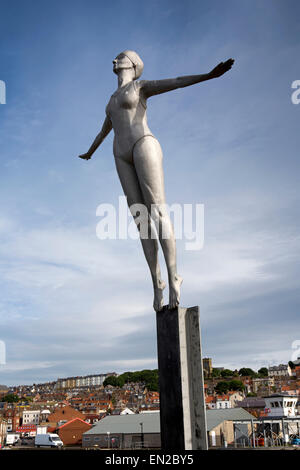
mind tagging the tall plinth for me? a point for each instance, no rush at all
(182, 401)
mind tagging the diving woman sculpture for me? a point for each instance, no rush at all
(138, 159)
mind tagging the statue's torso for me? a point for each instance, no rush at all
(127, 112)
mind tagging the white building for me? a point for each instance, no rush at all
(95, 380)
(283, 370)
(91, 380)
(223, 403)
(31, 416)
(45, 414)
(263, 382)
(280, 405)
(235, 398)
(219, 403)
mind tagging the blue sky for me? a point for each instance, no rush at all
(71, 304)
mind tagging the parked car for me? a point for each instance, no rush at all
(12, 439)
(25, 442)
(48, 440)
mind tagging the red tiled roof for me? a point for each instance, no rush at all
(209, 399)
(71, 421)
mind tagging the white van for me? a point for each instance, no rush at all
(12, 439)
(48, 440)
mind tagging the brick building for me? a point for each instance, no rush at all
(71, 432)
(63, 414)
(12, 417)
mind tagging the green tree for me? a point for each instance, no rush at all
(11, 398)
(127, 376)
(226, 373)
(236, 385)
(148, 377)
(222, 387)
(114, 381)
(263, 371)
(216, 372)
(153, 386)
(292, 365)
(246, 371)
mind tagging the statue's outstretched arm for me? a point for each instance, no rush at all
(106, 128)
(155, 87)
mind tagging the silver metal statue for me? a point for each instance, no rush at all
(138, 158)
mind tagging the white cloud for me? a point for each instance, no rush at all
(230, 143)
(26, 365)
(87, 294)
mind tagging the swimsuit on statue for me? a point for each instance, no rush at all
(127, 112)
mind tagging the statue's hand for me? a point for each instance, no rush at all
(221, 68)
(85, 156)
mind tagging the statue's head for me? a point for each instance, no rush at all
(127, 60)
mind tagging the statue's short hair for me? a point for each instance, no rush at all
(138, 64)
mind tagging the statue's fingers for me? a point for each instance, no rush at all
(228, 65)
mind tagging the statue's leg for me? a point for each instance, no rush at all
(147, 157)
(132, 191)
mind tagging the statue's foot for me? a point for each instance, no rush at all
(174, 291)
(158, 302)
